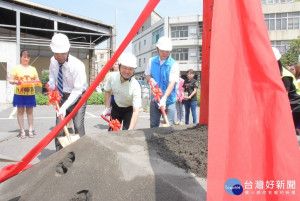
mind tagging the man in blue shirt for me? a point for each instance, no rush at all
(163, 71)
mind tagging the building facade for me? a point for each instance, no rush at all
(185, 33)
(282, 18)
(30, 26)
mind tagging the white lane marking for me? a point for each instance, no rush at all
(90, 114)
(12, 113)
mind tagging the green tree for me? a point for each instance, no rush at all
(292, 54)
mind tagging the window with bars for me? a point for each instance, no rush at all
(200, 54)
(283, 21)
(157, 34)
(200, 32)
(180, 54)
(179, 32)
(281, 45)
(154, 54)
(3, 71)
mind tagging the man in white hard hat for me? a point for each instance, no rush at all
(291, 87)
(67, 73)
(127, 93)
(163, 71)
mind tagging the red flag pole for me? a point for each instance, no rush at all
(42, 144)
(206, 36)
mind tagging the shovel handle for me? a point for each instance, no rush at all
(61, 118)
(104, 117)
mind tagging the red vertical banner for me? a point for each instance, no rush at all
(206, 36)
(253, 153)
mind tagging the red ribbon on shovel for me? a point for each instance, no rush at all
(157, 93)
(113, 123)
(54, 97)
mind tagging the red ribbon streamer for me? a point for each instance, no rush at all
(43, 143)
(6, 169)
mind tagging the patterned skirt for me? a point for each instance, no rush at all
(24, 101)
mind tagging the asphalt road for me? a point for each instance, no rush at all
(13, 146)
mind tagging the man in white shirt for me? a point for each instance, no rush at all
(67, 73)
(127, 93)
(163, 71)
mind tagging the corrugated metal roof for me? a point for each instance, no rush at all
(57, 11)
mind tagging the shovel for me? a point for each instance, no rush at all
(157, 97)
(69, 138)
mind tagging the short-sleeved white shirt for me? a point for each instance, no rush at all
(125, 94)
(174, 73)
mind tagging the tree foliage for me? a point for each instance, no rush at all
(292, 53)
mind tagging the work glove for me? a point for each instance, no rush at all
(162, 103)
(51, 86)
(154, 83)
(62, 111)
(106, 111)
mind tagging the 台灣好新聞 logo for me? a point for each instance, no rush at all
(233, 186)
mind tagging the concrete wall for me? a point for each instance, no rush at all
(281, 7)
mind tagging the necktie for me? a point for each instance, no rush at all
(60, 81)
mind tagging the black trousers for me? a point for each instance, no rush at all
(296, 118)
(78, 119)
(123, 114)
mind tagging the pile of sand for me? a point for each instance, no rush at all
(132, 165)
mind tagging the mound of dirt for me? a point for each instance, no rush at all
(131, 165)
(186, 149)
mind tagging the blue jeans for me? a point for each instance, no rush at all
(155, 114)
(190, 105)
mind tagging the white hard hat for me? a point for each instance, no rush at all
(128, 59)
(276, 53)
(164, 43)
(60, 43)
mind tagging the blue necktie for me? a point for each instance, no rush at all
(60, 81)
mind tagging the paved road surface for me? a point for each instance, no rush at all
(44, 121)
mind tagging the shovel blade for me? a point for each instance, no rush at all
(65, 142)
